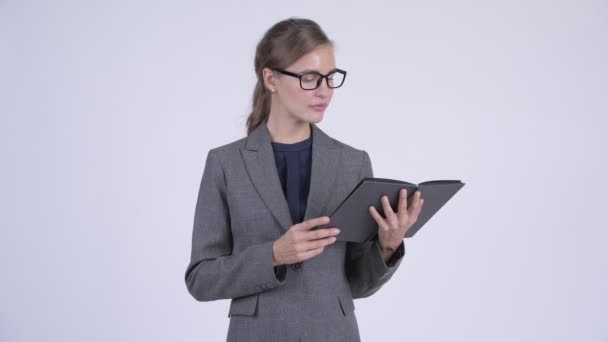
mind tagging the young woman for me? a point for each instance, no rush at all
(260, 195)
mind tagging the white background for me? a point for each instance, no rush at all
(108, 109)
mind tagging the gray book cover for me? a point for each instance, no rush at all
(355, 222)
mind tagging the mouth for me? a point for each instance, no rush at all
(319, 107)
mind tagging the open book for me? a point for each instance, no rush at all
(356, 223)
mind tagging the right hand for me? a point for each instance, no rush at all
(300, 243)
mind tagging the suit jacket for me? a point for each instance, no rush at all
(241, 210)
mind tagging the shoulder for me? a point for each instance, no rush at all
(228, 150)
(354, 158)
(349, 151)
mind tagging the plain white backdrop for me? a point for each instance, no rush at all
(108, 109)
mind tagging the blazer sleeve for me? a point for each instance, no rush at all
(215, 272)
(365, 268)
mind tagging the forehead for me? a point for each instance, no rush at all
(320, 59)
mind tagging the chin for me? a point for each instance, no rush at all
(311, 117)
(316, 117)
(316, 120)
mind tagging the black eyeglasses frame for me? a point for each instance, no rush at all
(321, 76)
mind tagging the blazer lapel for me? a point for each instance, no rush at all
(260, 163)
(323, 172)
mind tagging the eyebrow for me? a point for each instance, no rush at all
(310, 70)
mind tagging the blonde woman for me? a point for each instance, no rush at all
(260, 195)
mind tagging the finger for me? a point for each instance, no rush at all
(376, 215)
(415, 203)
(402, 211)
(321, 233)
(308, 224)
(311, 253)
(319, 243)
(388, 211)
(419, 208)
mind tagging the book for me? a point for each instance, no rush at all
(356, 223)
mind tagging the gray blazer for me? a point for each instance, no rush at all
(241, 209)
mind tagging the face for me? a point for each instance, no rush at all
(289, 99)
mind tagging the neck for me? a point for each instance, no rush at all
(287, 130)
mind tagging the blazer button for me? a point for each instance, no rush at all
(297, 266)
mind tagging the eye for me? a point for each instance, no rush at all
(310, 77)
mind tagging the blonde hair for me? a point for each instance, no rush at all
(284, 43)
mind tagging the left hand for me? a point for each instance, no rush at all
(391, 230)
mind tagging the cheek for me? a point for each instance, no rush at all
(300, 99)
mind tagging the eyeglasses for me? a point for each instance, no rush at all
(311, 80)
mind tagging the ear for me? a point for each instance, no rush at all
(270, 79)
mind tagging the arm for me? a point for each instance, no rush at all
(365, 266)
(214, 271)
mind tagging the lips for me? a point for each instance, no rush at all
(319, 106)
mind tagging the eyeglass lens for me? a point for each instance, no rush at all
(311, 81)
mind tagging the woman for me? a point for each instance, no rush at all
(260, 196)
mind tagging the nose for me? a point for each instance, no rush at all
(323, 89)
